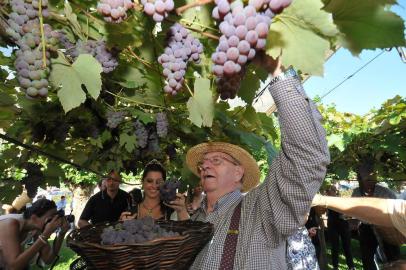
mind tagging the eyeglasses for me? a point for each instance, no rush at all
(216, 161)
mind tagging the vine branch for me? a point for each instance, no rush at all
(41, 25)
(182, 9)
(131, 100)
(203, 33)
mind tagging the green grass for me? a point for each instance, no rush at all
(66, 257)
(356, 253)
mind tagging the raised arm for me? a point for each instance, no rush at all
(384, 212)
(298, 171)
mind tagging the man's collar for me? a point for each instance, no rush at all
(224, 201)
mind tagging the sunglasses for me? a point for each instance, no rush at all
(216, 161)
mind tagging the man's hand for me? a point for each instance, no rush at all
(273, 66)
(127, 216)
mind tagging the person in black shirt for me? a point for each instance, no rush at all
(106, 205)
(338, 228)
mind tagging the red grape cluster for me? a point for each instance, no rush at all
(161, 124)
(244, 32)
(276, 6)
(24, 29)
(182, 48)
(99, 50)
(141, 133)
(33, 179)
(114, 11)
(158, 9)
(134, 231)
(114, 118)
(168, 190)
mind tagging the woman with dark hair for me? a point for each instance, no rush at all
(37, 222)
(151, 205)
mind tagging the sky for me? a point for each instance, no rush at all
(382, 79)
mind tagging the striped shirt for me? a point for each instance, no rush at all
(276, 208)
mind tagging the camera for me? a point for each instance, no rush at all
(69, 218)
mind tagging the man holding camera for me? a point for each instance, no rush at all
(106, 205)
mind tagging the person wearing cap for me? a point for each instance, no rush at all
(250, 231)
(106, 205)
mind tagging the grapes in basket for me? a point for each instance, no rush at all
(168, 190)
(134, 231)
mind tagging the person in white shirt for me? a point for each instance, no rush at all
(61, 205)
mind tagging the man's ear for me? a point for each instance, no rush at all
(239, 171)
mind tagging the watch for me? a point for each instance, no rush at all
(289, 73)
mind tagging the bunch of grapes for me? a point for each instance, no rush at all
(158, 9)
(134, 231)
(17, 18)
(65, 42)
(168, 190)
(33, 179)
(114, 11)
(161, 124)
(244, 32)
(22, 12)
(24, 29)
(141, 133)
(153, 144)
(58, 132)
(114, 118)
(182, 48)
(276, 6)
(98, 49)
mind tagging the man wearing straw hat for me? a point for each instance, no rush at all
(250, 231)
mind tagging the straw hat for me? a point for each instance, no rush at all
(251, 169)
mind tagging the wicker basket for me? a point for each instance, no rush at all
(162, 253)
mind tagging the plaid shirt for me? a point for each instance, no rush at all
(276, 208)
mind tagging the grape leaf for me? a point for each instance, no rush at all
(129, 142)
(85, 70)
(337, 141)
(302, 31)
(201, 105)
(358, 19)
(143, 116)
(251, 83)
(73, 20)
(6, 99)
(9, 190)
